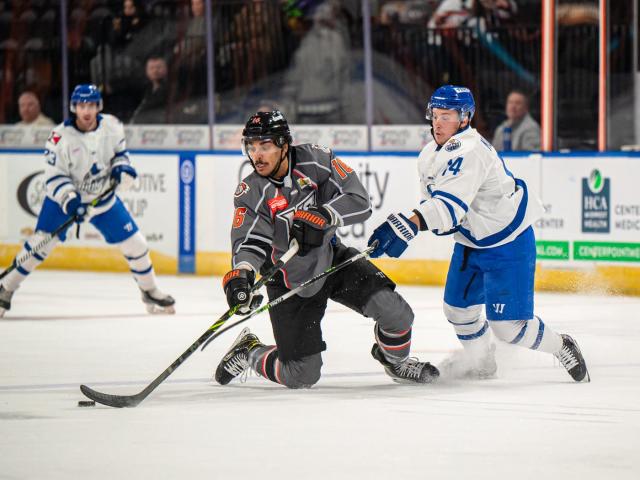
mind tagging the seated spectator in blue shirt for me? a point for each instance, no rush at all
(519, 131)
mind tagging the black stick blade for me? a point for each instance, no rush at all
(116, 401)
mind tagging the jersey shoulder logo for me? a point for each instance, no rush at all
(241, 189)
(321, 148)
(54, 138)
(452, 145)
(304, 182)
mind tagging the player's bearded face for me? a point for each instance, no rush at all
(266, 157)
(445, 124)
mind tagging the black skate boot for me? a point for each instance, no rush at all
(236, 360)
(158, 302)
(5, 300)
(571, 358)
(409, 371)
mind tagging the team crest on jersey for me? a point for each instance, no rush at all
(452, 145)
(54, 138)
(277, 204)
(305, 182)
(241, 189)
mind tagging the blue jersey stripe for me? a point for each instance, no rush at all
(506, 231)
(57, 177)
(452, 212)
(60, 186)
(453, 198)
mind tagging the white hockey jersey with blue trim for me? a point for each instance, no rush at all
(82, 161)
(468, 190)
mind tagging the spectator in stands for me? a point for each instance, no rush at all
(30, 113)
(127, 25)
(190, 62)
(153, 107)
(319, 78)
(194, 41)
(519, 131)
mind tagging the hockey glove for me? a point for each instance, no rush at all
(124, 176)
(237, 286)
(309, 228)
(393, 236)
(74, 207)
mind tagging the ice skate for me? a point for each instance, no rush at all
(158, 302)
(460, 364)
(571, 358)
(236, 360)
(5, 300)
(409, 371)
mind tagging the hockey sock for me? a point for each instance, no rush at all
(394, 319)
(136, 253)
(470, 328)
(395, 345)
(14, 278)
(532, 334)
(264, 360)
(300, 373)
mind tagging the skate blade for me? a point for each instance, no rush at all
(157, 310)
(586, 379)
(401, 381)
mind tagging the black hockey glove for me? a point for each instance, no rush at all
(310, 227)
(237, 286)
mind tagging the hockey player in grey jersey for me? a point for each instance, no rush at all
(305, 192)
(83, 156)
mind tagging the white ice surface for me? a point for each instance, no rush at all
(533, 421)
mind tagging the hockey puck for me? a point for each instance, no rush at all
(86, 403)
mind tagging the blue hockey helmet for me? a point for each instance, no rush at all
(85, 93)
(452, 97)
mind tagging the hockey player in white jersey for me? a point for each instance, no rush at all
(84, 156)
(468, 191)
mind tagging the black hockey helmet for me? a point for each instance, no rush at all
(267, 125)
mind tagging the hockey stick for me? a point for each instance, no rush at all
(42, 243)
(119, 401)
(290, 293)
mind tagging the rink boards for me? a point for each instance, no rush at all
(588, 238)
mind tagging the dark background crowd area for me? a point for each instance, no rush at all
(307, 58)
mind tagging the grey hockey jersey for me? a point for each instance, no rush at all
(264, 212)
